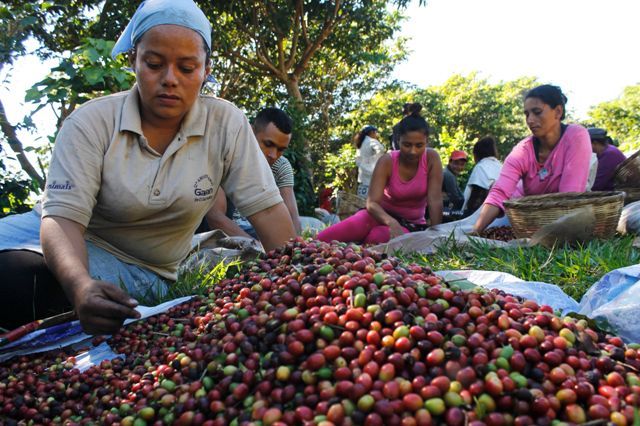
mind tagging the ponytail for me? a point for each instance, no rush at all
(359, 137)
(412, 122)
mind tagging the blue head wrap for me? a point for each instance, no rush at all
(160, 12)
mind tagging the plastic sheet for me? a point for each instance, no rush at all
(614, 303)
(71, 333)
(211, 248)
(428, 241)
(542, 293)
(629, 222)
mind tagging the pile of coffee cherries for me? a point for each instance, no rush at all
(501, 233)
(334, 334)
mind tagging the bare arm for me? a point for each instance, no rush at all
(273, 225)
(434, 190)
(217, 217)
(487, 215)
(289, 198)
(101, 307)
(379, 179)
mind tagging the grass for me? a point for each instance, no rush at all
(193, 283)
(574, 269)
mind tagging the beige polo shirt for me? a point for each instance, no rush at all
(143, 206)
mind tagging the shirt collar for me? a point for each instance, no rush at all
(192, 125)
(130, 118)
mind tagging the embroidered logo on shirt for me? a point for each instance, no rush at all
(55, 186)
(203, 188)
(544, 173)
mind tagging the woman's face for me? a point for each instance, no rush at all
(541, 118)
(170, 65)
(412, 145)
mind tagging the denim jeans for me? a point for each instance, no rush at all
(22, 232)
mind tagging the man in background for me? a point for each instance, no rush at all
(272, 128)
(454, 198)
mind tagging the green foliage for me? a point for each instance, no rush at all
(573, 269)
(88, 73)
(383, 110)
(15, 192)
(297, 154)
(621, 118)
(459, 112)
(470, 108)
(327, 56)
(58, 26)
(340, 171)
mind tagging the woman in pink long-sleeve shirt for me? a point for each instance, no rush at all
(555, 158)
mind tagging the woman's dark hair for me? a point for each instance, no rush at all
(410, 108)
(550, 95)
(485, 147)
(366, 131)
(413, 122)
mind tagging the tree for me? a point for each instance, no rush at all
(321, 54)
(460, 111)
(57, 27)
(621, 118)
(470, 108)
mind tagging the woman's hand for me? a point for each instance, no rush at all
(102, 307)
(395, 229)
(487, 215)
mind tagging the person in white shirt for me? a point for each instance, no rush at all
(369, 151)
(483, 175)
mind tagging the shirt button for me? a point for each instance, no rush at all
(156, 192)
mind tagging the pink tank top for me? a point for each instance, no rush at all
(406, 199)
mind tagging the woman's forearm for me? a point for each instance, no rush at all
(435, 211)
(273, 226)
(65, 252)
(487, 215)
(380, 214)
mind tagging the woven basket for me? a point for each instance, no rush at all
(528, 214)
(628, 172)
(347, 204)
(631, 194)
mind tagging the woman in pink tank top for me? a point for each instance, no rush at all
(404, 184)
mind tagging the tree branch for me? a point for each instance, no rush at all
(303, 23)
(15, 144)
(296, 34)
(281, 61)
(328, 26)
(263, 64)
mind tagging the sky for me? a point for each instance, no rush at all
(587, 47)
(590, 48)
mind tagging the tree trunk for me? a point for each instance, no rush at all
(15, 144)
(293, 90)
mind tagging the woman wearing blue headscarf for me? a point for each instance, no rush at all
(133, 174)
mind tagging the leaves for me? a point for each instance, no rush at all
(88, 73)
(621, 118)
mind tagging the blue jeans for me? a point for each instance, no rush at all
(22, 232)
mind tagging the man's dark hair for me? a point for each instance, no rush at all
(278, 117)
(485, 147)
